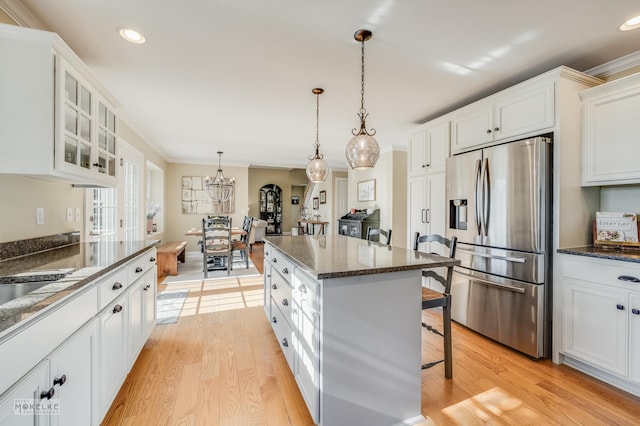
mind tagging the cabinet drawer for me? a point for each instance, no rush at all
(32, 344)
(283, 333)
(141, 264)
(281, 294)
(112, 286)
(281, 264)
(611, 272)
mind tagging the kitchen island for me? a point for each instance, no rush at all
(347, 315)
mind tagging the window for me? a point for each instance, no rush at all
(130, 181)
(102, 218)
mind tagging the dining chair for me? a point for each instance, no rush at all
(216, 244)
(242, 244)
(371, 232)
(436, 299)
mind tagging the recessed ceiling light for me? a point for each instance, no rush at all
(631, 24)
(131, 35)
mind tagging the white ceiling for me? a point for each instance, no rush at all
(236, 75)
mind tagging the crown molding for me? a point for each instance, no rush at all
(20, 14)
(616, 66)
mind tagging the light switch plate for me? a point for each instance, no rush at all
(39, 216)
(78, 215)
(69, 214)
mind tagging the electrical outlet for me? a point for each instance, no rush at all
(39, 216)
(69, 214)
(78, 215)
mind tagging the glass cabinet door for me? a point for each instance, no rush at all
(106, 139)
(78, 121)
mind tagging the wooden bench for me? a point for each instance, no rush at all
(168, 256)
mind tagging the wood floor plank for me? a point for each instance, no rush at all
(225, 367)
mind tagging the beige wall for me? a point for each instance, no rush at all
(4, 18)
(258, 177)
(326, 212)
(390, 174)
(177, 223)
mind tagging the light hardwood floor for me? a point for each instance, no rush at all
(221, 365)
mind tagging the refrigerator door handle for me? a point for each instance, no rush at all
(476, 196)
(486, 192)
(492, 256)
(491, 283)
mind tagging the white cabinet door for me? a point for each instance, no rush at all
(595, 324)
(417, 153)
(135, 316)
(308, 351)
(634, 337)
(523, 111)
(428, 149)
(16, 406)
(73, 377)
(113, 327)
(417, 207)
(473, 128)
(149, 312)
(610, 133)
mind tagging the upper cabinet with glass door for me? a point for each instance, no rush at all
(60, 126)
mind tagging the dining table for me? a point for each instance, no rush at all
(197, 232)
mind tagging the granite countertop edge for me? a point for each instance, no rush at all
(603, 253)
(21, 312)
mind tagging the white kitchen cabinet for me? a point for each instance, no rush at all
(428, 148)
(73, 375)
(601, 319)
(18, 403)
(427, 206)
(113, 344)
(610, 129)
(521, 110)
(141, 314)
(53, 112)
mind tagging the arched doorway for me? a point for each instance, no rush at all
(271, 208)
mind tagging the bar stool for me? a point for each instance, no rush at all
(436, 299)
(378, 231)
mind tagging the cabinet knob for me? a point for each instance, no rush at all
(424, 165)
(60, 380)
(274, 286)
(274, 319)
(117, 309)
(629, 278)
(620, 307)
(146, 288)
(96, 164)
(285, 342)
(138, 270)
(47, 394)
(116, 286)
(285, 271)
(285, 302)
(152, 259)
(488, 131)
(266, 253)
(275, 260)
(496, 129)
(635, 311)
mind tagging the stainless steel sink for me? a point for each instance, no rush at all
(14, 290)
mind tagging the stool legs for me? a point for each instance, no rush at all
(446, 325)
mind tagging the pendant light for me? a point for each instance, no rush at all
(317, 169)
(362, 150)
(219, 188)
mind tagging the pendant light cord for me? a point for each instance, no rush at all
(317, 119)
(362, 110)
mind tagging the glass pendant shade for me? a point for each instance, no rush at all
(317, 169)
(219, 188)
(362, 151)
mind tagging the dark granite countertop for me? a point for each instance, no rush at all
(335, 256)
(79, 264)
(604, 253)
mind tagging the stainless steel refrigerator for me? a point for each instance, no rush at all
(499, 207)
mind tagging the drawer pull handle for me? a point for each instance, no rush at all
(635, 311)
(116, 286)
(285, 271)
(117, 309)
(152, 259)
(274, 319)
(284, 342)
(273, 286)
(620, 307)
(47, 394)
(285, 302)
(629, 278)
(60, 381)
(138, 269)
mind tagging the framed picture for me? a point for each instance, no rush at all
(316, 205)
(323, 197)
(367, 190)
(295, 199)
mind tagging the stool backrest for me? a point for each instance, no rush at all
(448, 243)
(378, 231)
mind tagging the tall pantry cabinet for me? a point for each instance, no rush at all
(428, 149)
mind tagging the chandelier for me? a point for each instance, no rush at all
(219, 188)
(363, 150)
(317, 169)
